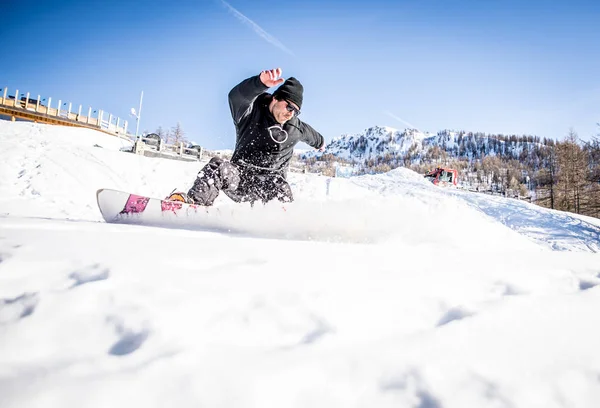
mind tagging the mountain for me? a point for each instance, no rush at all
(374, 142)
(415, 146)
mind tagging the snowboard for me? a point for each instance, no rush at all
(296, 221)
(124, 207)
(121, 207)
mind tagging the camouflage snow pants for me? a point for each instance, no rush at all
(239, 182)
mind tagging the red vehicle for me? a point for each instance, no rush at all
(443, 177)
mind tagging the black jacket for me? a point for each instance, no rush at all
(255, 144)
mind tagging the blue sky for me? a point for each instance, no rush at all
(512, 67)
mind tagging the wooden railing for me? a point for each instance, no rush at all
(40, 110)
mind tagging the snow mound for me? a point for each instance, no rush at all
(380, 291)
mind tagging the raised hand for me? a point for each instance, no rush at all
(271, 77)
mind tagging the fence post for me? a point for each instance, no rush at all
(138, 147)
(160, 145)
(26, 100)
(69, 112)
(58, 108)
(17, 99)
(200, 153)
(181, 148)
(49, 102)
(100, 114)
(4, 95)
(125, 128)
(78, 113)
(89, 115)
(37, 105)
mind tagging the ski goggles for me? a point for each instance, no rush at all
(290, 108)
(278, 134)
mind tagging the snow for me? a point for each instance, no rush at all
(459, 300)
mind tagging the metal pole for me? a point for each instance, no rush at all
(139, 115)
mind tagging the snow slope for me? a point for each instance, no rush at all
(424, 297)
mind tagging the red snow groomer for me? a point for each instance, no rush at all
(443, 177)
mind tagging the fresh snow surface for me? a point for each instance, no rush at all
(424, 297)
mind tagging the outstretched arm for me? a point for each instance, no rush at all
(311, 137)
(243, 94)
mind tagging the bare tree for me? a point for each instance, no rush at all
(178, 135)
(162, 134)
(571, 183)
(593, 154)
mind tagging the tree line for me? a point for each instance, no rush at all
(570, 179)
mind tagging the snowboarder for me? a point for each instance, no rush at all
(267, 129)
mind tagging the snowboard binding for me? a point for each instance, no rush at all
(179, 197)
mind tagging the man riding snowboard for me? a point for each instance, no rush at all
(267, 129)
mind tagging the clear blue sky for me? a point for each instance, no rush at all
(522, 67)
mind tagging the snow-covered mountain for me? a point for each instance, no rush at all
(382, 141)
(427, 297)
(375, 141)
